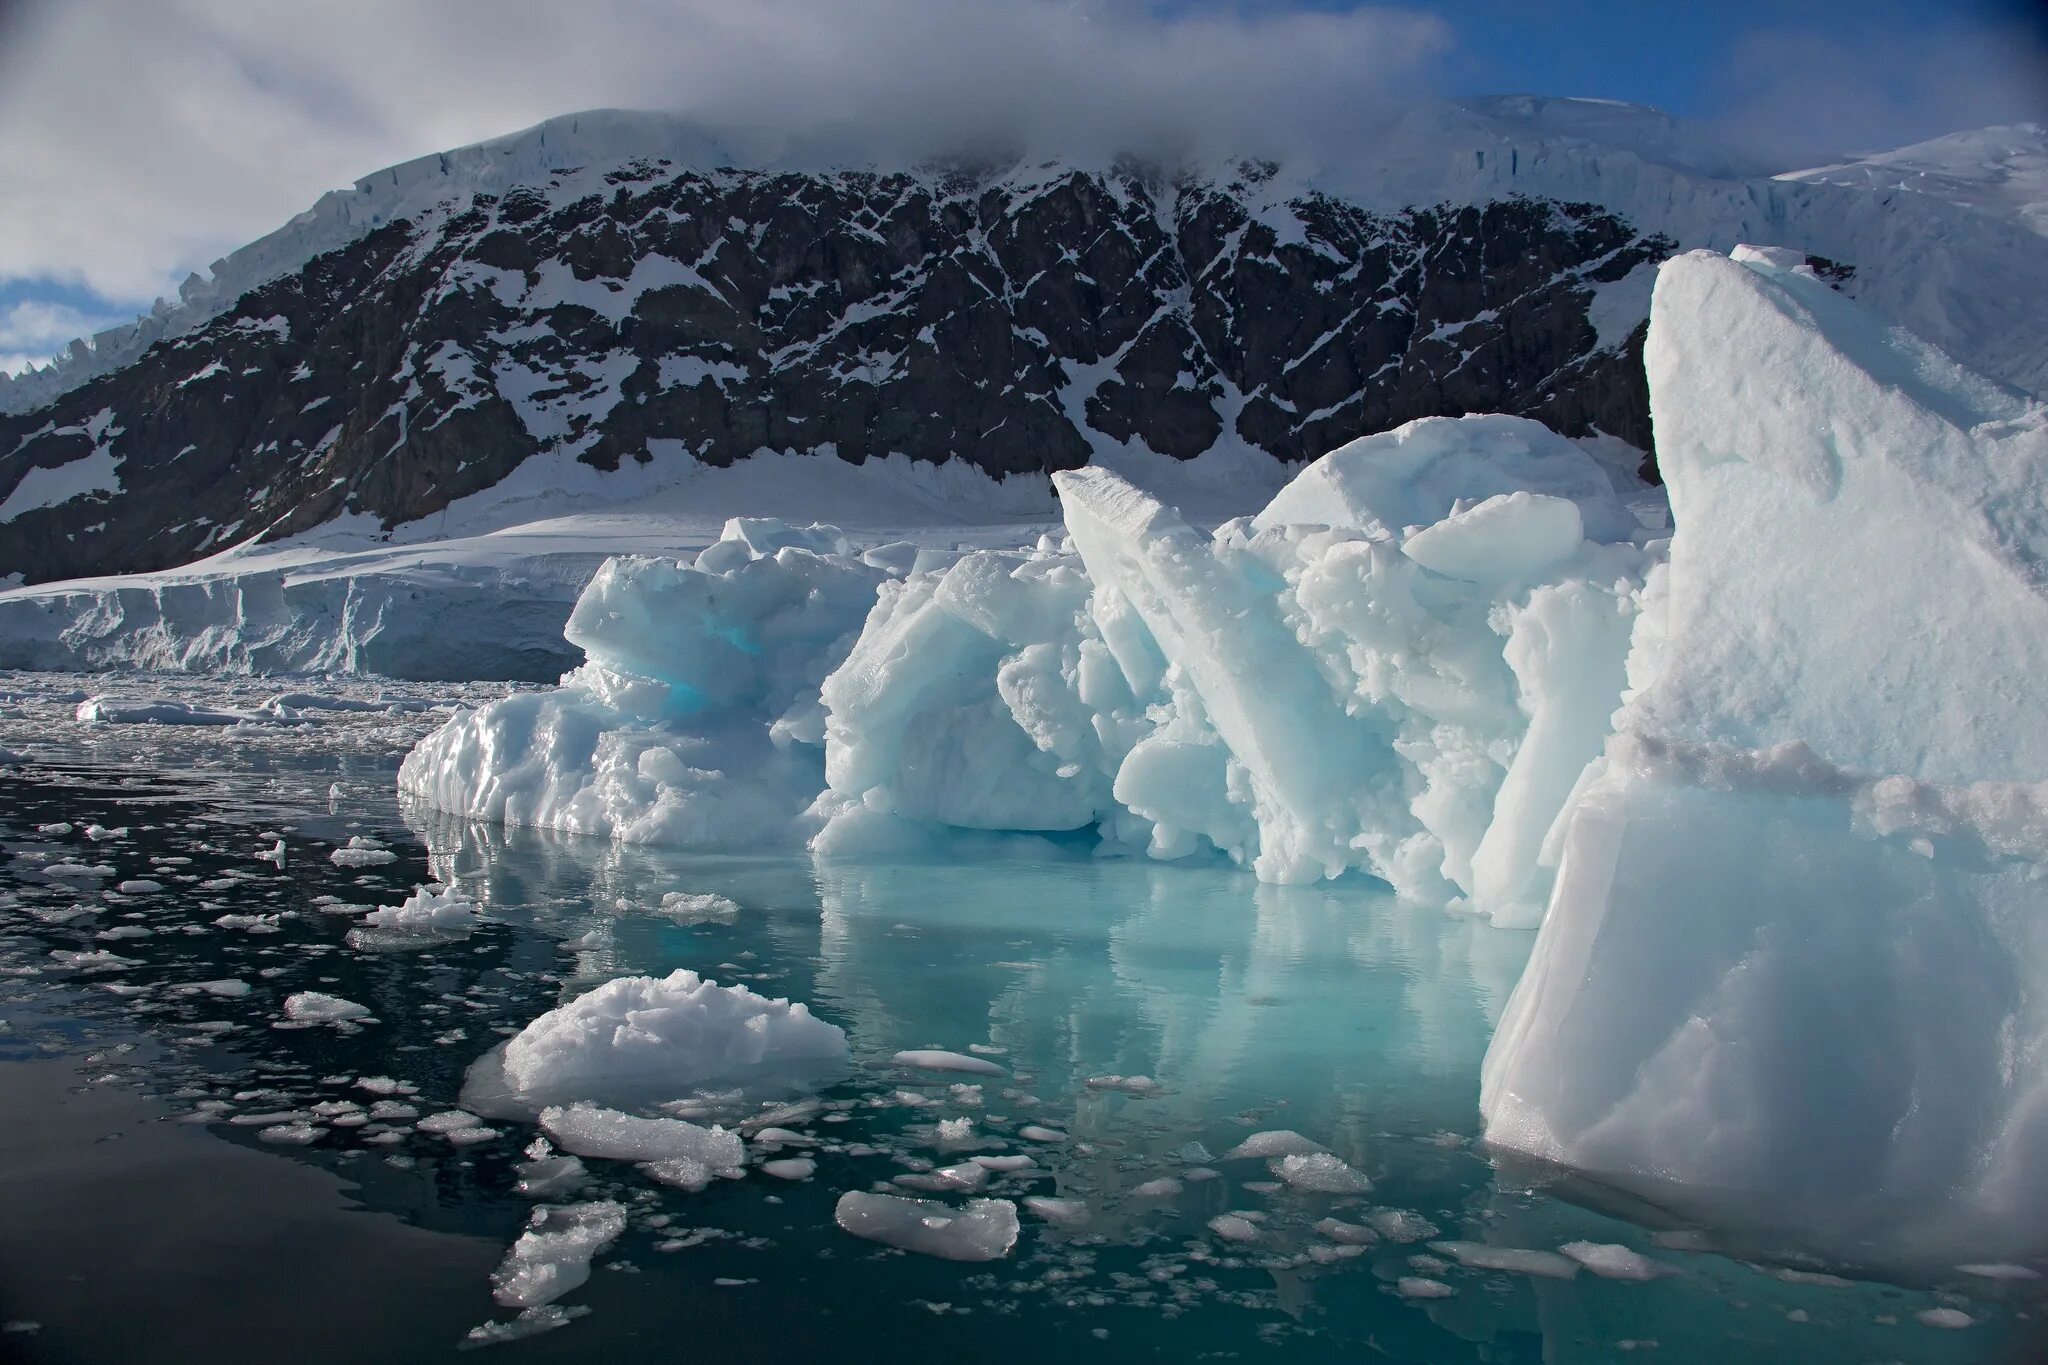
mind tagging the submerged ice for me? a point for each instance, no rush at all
(1763, 762)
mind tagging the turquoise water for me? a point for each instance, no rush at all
(146, 1223)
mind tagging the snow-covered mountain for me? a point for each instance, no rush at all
(618, 299)
(2001, 170)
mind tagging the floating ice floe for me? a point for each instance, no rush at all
(984, 1230)
(361, 852)
(316, 1007)
(428, 910)
(1795, 969)
(553, 1255)
(642, 1039)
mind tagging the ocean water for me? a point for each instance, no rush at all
(147, 1214)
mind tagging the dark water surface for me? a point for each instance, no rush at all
(146, 1213)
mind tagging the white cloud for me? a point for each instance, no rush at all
(140, 140)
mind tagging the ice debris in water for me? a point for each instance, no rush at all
(1481, 1256)
(1319, 1173)
(317, 1007)
(1612, 1261)
(553, 1255)
(701, 1153)
(1064, 1212)
(362, 852)
(691, 908)
(984, 1230)
(1232, 1227)
(1828, 787)
(1274, 1143)
(429, 909)
(936, 1059)
(643, 1037)
(1421, 1287)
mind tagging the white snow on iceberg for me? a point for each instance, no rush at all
(1794, 964)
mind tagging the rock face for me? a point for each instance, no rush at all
(1020, 319)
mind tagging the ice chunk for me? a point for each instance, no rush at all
(1481, 1256)
(1612, 1261)
(1232, 1227)
(361, 852)
(427, 910)
(1822, 794)
(1319, 1173)
(591, 1131)
(984, 1231)
(790, 1168)
(933, 1059)
(317, 1007)
(553, 1255)
(686, 908)
(1275, 1142)
(1421, 1287)
(1065, 1212)
(139, 886)
(646, 1038)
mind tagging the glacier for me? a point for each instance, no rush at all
(1756, 759)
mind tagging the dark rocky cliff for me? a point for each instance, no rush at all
(1015, 323)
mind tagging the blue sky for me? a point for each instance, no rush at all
(140, 141)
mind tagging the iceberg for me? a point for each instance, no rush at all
(1400, 668)
(1793, 967)
(683, 726)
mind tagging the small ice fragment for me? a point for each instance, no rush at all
(1350, 1234)
(1612, 1261)
(1399, 1225)
(228, 988)
(427, 910)
(553, 1255)
(1417, 1287)
(685, 908)
(1004, 1163)
(1274, 1143)
(2000, 1270)
(956, 1130)
(1232, 1227)
(316, 1007)
(1517, 1260)
(1319, 1173)
(1032, 1132)
(448, 1121)
(984, 1231)
(295, 1134)
(790, 1168)
(591, 1131)
(546, 1175)
(139, 886)
(362, 852)
(1951, 1318)
(1131, 1085)
(1162, 1187)
(56, 829)
(934, 1059)
(964, 1178)
(1065, 1212)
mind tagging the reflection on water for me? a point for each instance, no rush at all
(1329, 1010)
